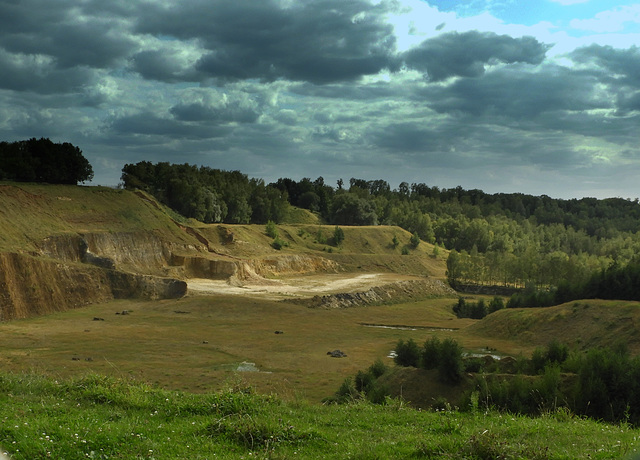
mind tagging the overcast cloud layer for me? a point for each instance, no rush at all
(481, 94)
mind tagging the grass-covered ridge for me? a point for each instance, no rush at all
(101, 417)
(33, 212)
(581, 325)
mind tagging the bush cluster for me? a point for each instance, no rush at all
(603, 383)
(446, 356)
(338, 236)
(365, 385)
(477, 310)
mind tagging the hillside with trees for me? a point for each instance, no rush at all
(499, 240)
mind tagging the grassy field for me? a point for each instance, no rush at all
(105, 418)
(197, 343)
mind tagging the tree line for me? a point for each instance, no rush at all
(41, 160)
(207, 194)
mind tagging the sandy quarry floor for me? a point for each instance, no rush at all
(303, 286)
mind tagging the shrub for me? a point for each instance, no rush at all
(271, 229)
(557, 352)
(320, 238)
(279, 243)
(474, 365)
(378, 394)
(415, 240)
(464, 309)
(347, 391)
(395, 242)
(450, 367)
(338, 236)
(431, 353)
(363, 381)
(378, 368)
(446, 356)
(496, 304)
(407, 353)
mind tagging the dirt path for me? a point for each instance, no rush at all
(303, 286)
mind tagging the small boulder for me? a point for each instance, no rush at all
(337, 354)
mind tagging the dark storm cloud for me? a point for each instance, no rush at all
(67, 35)
(618, 70)
(233, 112)
(411, 137)
(619, 64)
(53, 47)
(151, 124)
(267, 86)
(38, 74)
(466, 54)
(163, 65)
(320, 41)
(517, 94)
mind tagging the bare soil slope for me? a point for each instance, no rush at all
(64, 246)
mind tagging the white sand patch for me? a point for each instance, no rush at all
(302, 286)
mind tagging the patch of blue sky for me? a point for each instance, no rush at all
(575, 17)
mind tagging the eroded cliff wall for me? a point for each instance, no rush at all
(32, 286)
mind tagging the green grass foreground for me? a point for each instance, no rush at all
(101, 417)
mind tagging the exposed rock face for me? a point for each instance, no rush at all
(108, 244)
(139, 252)
(72, 270)
(31, 286)
(401, 290)
(293, 265)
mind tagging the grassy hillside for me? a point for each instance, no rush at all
(97, 417)
(581, 325)
(32, 212)
(363, 249)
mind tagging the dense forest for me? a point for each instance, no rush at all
(556, 249)
(41, 160)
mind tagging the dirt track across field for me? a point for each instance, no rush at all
(302, 287)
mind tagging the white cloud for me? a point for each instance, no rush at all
(416, 21)
(569, 2)
(609, 21)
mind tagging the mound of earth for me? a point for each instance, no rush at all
(581, 325)
(400, 291)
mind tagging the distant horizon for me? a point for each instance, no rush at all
(333, 184)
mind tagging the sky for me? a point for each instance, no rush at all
(538, 96)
